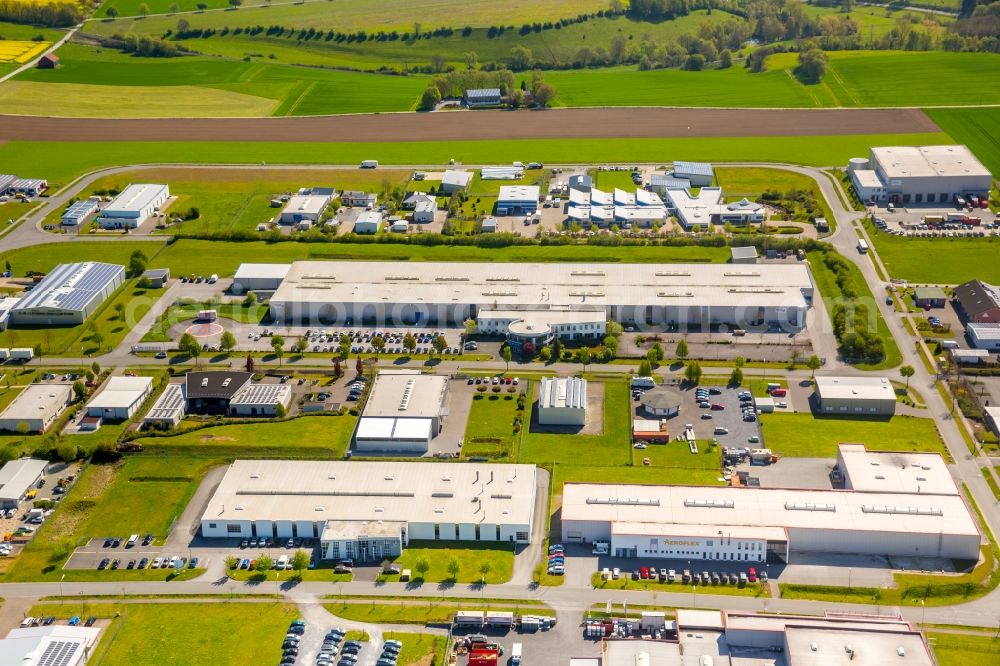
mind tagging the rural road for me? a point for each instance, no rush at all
(34, 61)
(597, 123)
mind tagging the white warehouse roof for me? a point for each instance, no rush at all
(562, 392)
(895, 471)
(262, 271)
(406, 395)
(516, 193)
(122, 392)
(928, 161)
(18, 475)
(856, 388)
(430, 492)
(133, 200)
(306, 205)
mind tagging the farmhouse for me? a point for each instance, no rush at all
(37, 406)
(517, 199)
(69, 294)
(575, 297)
(411, 201)
(919, 174)
(121, 398)
(78, 211)
(340, 503)
(404, 412)
(168, 410)
(978, 302)
(455, 180)
(929, 297)
(562, 401)
(753, 524)
(304, 208)
(258, 277)
(17, 477)
(984, 336)
(852, 396)
(357, 199)
(479, 97)
(699, 174)
(135, 205)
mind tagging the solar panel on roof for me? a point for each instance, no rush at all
(71, 286)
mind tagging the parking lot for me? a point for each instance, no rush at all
(47, 488)
(730, 417)
(143, 555)
(555, 645)
(936, 221)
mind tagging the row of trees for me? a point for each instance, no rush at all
(54, 14)
(855, 324)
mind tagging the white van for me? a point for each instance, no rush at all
(719, 430)
(132, 541)
(369, 164)
(282, 563)
(515, 654)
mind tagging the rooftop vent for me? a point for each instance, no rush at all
(204, 382)
(226, 381)
(708, 504)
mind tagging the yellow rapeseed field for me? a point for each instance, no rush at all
(20, 52)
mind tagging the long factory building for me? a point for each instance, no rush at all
(543, 295)
(369, 511)
(893, 503)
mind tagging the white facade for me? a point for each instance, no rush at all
(404, 412)
(304, 208)
(517, 199)
(79, 211)
(17, 477)
(562, 401)
(984, 336)
(259, 277)
(856, 396)
(751, 524)
(369, 222)
(756, 298)
(919, 174)
(423, 211)
(455, 180)
(438, 502)
(53, 645)
(120, 398)
(136, 204)
(37, 405)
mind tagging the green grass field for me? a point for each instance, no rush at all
(737, 182)
(962, 649)
(91, 81)
(979, 129)
(489, 431)
(62, 161)
(373, 14)
(470, 557)
(303, 437)
(20, 31)
(139, 495)
(418, 649)
(188, 311)
(955, 260)
(804, 435)
(146, 632)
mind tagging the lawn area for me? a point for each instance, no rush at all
(804, 435)
(43, 258)
(421, 611)
(241, 633)
(302, 437)
(963, 649)
(832, 296)
(739, 182)
(61, 161)
(490, 428)
(16, 31)
(188, 311)
(979, 129)
(470, 556)
(611, 448)
(417, 648)
(956, 260)
(137, 495)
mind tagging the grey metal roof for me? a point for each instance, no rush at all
(81, 208)
(169, 405)
(695, 168)
(5, 181)
(748, 252)
(71, 286)
(482, 93)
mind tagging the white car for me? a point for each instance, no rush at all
(782, 405)
(639, 445)
(616, 573)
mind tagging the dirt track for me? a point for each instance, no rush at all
(463, 126)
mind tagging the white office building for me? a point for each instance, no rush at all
(135, 205)
(258, 277)
(707, 207)
(120, 398)
(304, 208)
(756, 524)
(404, 412)
(69, 294)
(36, 407)
(594, 207)
(562, 401)
(341, 503)
(545, 295)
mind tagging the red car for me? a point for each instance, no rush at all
(717, 407)
(644, 573)
(752, 575)
(779, 393)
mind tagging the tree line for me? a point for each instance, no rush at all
(52, 14)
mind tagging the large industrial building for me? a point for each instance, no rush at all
(770, 296)
(893, 471)
(135, 205)
(17, 477)
(68, 295)
(36, 407)
(919, 174)
(562, 401)
(594, 207)
(978, 302)
(370, 511)
(753, 524)
(121, 398)
(984, 336)
(404, 412)
(853, 396)
(258, 277)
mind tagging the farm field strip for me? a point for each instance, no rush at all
(18, 52)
